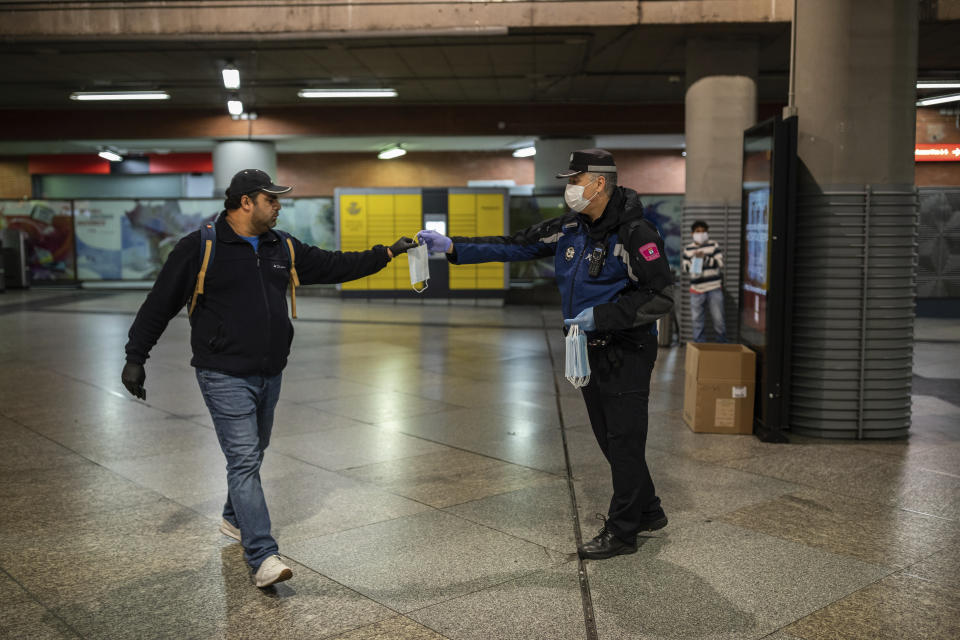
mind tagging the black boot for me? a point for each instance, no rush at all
(654, 522)
(605, 545)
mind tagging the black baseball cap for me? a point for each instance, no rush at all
(251, 180)
(589, 161)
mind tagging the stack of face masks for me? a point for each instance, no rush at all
(419, 267)
(696, 266)
(578, 365)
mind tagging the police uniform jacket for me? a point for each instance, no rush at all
(632, 289)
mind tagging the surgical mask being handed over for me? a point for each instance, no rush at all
(700, 237)
(573, 196)
(419, 266)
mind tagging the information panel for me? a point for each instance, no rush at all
(766, 256)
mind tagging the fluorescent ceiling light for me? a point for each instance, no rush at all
(347, 93)
(525, 152)
(231, 77)
(926, 102)
(938, 84)
(110, 155)
(120, 95)
(235, 107)
(394, 152)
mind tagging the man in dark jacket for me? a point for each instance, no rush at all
(614, 283)
(241, 335)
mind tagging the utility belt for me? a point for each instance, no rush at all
(632, 337)
(601, 340)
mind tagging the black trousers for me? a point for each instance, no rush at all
(617, 398)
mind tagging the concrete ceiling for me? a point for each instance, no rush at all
(634, 65)
(637, 64)
(312, 144)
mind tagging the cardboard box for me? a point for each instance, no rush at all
(719, 388)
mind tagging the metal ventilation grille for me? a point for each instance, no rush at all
(724, 221)
(938, 275)
(854, 281)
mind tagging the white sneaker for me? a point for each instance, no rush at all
(229, 530)
(272, 570)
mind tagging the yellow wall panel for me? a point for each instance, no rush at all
(462, 204)
(353, 222)
(462, 214)
(408, 204)
(408, 219)
(490, 214)
(353, 231)
(379, 218)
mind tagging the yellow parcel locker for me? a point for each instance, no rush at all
(490, 222)
(462, 214)
(353, 230)
(380, 230)
(408, 219)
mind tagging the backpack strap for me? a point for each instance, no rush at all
(208, 244)
(294, 278)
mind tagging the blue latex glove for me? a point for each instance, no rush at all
(436, 243)
(584, 319)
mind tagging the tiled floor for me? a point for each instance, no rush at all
(418, 485)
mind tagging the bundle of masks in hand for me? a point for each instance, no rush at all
(419, 261)
(578, 365)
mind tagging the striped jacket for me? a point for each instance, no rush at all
(709, 279)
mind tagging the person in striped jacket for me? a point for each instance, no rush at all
(703, 260)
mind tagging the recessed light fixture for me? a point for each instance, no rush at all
(231, 77)
(235, 107)
(392, 152)
(347, 93)
(938, 84)
(926, 102)
(119, 95)
(112, 156)
(525, 152)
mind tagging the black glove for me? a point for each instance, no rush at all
(133, 377)
(402, 245)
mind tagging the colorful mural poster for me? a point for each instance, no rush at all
(309, 220)
(666, 211)
(131, 239)
(49, 228)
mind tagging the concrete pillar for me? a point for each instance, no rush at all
(231, 156)
(856, 236)
(721, 101)
(553, 154)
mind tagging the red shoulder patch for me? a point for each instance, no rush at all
(650, 251)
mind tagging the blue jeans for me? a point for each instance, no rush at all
(242, 412)
(713, 300)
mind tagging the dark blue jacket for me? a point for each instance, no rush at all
(633, 288)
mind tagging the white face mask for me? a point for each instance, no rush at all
(573, 196)
(700, 237)
(419, 267)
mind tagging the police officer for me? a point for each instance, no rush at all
(241, 337)
(614, 283)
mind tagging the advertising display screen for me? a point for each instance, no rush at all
(766, 255)
(757, 180)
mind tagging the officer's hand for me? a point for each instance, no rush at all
(584, 319)
(436, 242)
(402, 245)
(133, 377)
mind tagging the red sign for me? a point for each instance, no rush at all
(937, 153)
